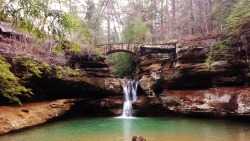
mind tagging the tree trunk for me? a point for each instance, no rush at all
(173, 9)
(192, 17)
(162, 21)
(167, 19)
(210, 15)
(205, 15)
(173, 18)
(193, 11)
(108, 20)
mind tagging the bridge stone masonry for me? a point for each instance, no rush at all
(119, 47)
(134, 48)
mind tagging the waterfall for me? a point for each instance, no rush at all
(129, 90)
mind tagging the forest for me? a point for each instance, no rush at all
(131, 21)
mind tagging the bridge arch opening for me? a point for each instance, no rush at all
(122, 63)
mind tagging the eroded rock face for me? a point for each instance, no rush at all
(151, 61)
(14, 118)
(177, 79)
(174, 66)
(110, 85)
(110, 106)
(148, 106)
(223, 102)
(218, 102)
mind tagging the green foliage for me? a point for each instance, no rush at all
(33, 68)
(64, 71)
(123, 63)
(92, 32)
(209, 60)
(63, 46)
(128, 33)
(219, 50)
(221, 10)
(239, 20)
(36, 16)
(135, 31)
(73, 24)
(75, 47)
(3, 17)
(10, 88)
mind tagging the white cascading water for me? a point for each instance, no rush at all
(130, 94)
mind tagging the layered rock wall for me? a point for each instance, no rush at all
(177, 78)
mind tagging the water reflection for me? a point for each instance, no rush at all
(127, 123)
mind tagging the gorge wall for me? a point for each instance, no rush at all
(177, 79)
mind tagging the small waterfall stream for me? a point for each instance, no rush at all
(130, 95)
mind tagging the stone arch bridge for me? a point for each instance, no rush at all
(120, 47)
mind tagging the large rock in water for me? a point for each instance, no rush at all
(19, 117)
(138, 138)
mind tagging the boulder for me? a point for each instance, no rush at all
(138, 138)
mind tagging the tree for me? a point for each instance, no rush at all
(239, 19)
(210, 15)
(124, 64)
(221, 9)
(135, 31)
(173, 9)
(37, 17)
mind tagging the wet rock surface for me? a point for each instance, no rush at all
(217, 102)
(13, 118)
(222, 102)
(110, 106)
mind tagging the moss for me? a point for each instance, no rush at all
(10, 88)
(221, 49)
(64, 71)
(208, 61)
(40, 70)
(64, 46)
(33, 68)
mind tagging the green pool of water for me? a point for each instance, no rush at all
(152, 129)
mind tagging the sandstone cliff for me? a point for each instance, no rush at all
(176, 78)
